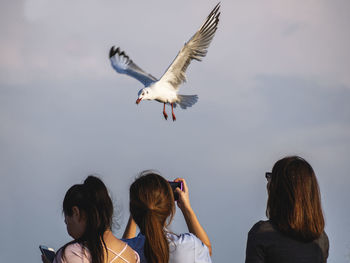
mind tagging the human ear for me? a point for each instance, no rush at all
(75, 212)
(78, 214)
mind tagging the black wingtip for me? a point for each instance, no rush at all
(216, 8)
(214, 15)
(113, 51)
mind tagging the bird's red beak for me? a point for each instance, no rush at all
(138, 101)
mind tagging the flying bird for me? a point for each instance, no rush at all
(165, 89)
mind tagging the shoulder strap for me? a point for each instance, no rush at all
(118, 255)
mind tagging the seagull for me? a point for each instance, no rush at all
(165, 89)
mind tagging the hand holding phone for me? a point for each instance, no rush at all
(184, 201)
(47, 252)
(174, 185)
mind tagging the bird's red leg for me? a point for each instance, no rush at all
(164, 113)
(172, 112)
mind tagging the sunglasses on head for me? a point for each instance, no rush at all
(268, 175)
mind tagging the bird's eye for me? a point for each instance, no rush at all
(143, 93)
(147, 92)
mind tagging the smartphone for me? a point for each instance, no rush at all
(48, 252)
(174, 185)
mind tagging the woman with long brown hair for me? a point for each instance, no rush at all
(152, 208)
(295, 229)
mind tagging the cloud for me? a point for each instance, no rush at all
(306, 40)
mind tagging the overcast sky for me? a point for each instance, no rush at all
(275, 82)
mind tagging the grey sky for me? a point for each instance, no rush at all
(275, 82)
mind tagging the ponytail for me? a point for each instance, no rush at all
(156, 246)
(152, 207)
(93, 201)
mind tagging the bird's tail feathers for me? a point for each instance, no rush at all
(186, 100)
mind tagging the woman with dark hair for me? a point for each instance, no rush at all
(152, 208)
(88, 212)
(295, 229)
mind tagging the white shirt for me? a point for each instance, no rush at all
(183, 248)
(76, 253)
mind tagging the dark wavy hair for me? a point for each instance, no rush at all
(93, 200)
(294, 202)
(152, 206)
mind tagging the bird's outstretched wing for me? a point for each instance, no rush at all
(123, 64)
(195, 48)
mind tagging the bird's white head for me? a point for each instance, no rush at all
(144, 94)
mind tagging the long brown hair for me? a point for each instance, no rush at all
(294, 202)
(93, 200)
(152, 207)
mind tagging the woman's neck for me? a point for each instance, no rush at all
(108, 234)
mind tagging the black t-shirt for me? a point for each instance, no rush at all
(267, 244)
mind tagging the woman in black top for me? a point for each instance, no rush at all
(295, 229)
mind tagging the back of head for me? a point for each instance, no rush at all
(294, 202)
(94, 202)
(152, 207)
